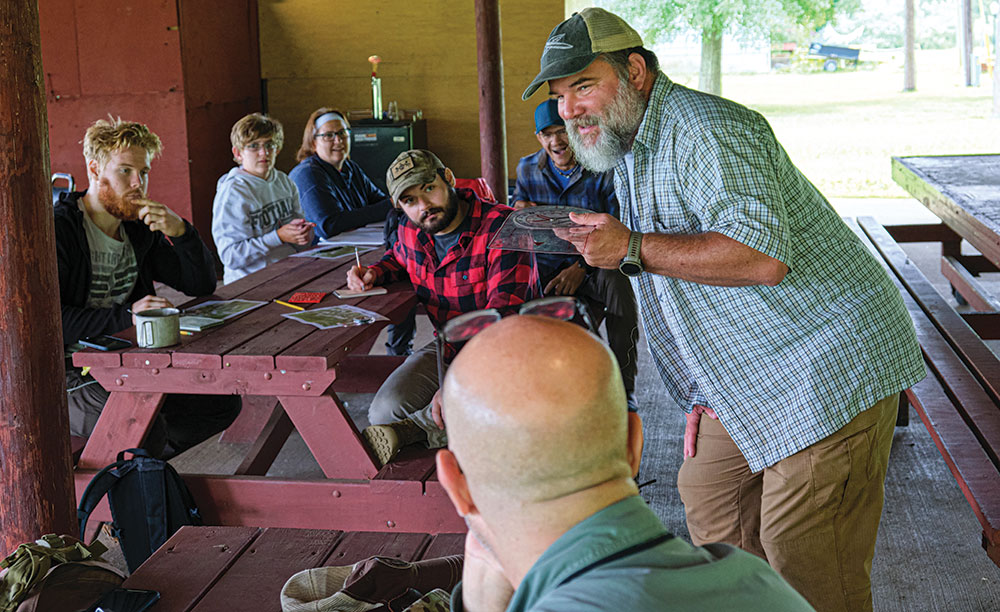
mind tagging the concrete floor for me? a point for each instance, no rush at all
(928, 555)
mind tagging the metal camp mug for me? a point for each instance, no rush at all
(158, 327)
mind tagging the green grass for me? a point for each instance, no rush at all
(841, 129)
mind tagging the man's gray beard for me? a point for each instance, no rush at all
(616, 130)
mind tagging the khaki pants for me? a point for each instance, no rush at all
(813, 516)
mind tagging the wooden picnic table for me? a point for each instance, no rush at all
(218, 569)
(964, 192)
(262, 353)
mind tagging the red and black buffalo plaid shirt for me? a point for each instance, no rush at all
(470, 277)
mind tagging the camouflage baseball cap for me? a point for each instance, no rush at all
(413, 167)
(577, 42)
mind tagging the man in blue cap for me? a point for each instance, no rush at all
(553, 177)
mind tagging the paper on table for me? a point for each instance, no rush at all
(332, 251)
(348, 293)
(369, 235)
(336, 316)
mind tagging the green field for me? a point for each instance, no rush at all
(842, 128)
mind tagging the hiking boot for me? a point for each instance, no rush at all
(386, 440)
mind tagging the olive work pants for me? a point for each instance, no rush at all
(813, 515)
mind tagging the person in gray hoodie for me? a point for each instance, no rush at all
(256, 217)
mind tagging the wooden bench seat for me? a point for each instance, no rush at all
(221, 569)
(959, 401)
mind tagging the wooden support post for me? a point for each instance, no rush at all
(492, 116)
(35, 468)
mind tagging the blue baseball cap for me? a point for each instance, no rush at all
(547, 114)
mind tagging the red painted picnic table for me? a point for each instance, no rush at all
(262, 353)
(219, 569)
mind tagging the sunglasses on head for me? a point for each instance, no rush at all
(463, 327)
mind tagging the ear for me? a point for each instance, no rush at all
(635, 442)
(93, 169)
(637, 71)
(449, 177)
(237, 155)
(453, 480)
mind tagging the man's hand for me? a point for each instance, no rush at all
(567, 281)
(297, 231)
(159, 218)
(437, 409)
(599, 237)
(360, 278)
(484, 586)
(691, 428)
(149, 303)
(523, 204)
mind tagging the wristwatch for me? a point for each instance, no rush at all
(631, 264)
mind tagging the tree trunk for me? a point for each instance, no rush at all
(909, 36)
(996, 66)
(492, 116)
(35, 472)
(965, 40)
(710, 75)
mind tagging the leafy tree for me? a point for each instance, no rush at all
(658, 20)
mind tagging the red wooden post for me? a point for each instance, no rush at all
(492, 116)
(35, 470)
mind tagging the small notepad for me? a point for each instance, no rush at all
(347, 293)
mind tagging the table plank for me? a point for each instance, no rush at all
(358, 545)
(201, 555)
(444, 545)
(258, 574)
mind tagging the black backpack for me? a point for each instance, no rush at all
(149, 502)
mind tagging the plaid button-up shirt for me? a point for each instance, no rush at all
(591, 190)
(784, 366)
(470, 277)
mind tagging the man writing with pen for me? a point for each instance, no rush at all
(112, 243)
(441, 250)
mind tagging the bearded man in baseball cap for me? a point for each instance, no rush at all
(763, 311)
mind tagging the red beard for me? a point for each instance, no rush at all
(125, 207)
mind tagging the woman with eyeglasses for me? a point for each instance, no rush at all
(336, 193)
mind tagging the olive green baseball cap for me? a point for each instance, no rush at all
(413, 167)
(575, 43)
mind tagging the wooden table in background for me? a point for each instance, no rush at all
(262, 353)
(964, 192)
(220, 569)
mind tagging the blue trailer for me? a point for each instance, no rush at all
(833, 56)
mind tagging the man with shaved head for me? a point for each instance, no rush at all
(540, 463)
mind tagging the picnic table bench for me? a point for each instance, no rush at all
(263, 354)
(959, 400)
(219, 569)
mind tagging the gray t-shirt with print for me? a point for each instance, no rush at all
(113, 267)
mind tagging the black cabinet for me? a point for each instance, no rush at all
(375, 144)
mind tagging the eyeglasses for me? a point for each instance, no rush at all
(330, 136)
(553, 135)
(268, 146)
(463, 327)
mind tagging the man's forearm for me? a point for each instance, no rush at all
(711, 259)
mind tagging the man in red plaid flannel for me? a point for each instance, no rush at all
(441, 249)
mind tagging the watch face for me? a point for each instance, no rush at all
(630, 268)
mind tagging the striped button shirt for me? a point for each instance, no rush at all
(786, 366)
